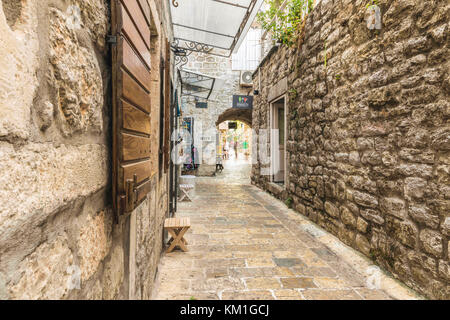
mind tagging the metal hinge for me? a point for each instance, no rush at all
(129, 200)
(111, 39)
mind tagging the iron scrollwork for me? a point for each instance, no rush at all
(198, 47)
(175, 3)
(181, 61)
(191, 46)
(182, 53)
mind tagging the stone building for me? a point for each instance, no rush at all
(59, 236)
(220, 106)
(365, 116)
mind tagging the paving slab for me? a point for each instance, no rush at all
(245, 244)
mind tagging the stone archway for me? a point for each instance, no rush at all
(244, 115)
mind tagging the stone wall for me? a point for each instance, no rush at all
(221, 101)
(56, 221)
(369, 134)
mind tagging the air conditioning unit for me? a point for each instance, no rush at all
(246, 79)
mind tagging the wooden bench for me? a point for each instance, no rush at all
(185, 188)
(177, 227)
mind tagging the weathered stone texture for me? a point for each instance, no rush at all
(113, 274)
(149, 229)
(369, 134)
(75, 75)
(95, 17)
(48, 181)
(56, 220)
(19, 61)
(45, 273)
(94, 242)
(40, 178)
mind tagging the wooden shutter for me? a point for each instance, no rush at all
(131, 104)
(167, 102)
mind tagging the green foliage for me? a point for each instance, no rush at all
(289, 201)
(285, 25)
(294, 115)
(372, 3)
(293, 93)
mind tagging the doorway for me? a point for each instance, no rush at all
(278, 141)
(234, 152)
(234, 141)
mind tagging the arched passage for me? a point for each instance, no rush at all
(244, 115)
(234, 148)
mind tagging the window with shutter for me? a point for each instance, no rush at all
(131, 104)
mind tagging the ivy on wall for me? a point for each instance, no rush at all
(285, 24)
(372, 3)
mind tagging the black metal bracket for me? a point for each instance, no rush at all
(181, 55)
(182, 52)
(111, 39)
(191, 46)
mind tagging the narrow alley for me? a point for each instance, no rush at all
(246, 245)
(224, 150)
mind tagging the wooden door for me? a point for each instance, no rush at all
(131, 104)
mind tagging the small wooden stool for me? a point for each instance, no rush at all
(177, 227)
(185, 188)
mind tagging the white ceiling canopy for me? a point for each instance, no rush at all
(199, 85)
(196, 84)
(214, 26)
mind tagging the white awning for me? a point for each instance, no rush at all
(214, 26)
(196, 84)
(199, 85)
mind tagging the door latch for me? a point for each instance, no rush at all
(131, 194)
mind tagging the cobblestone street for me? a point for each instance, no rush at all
(245, 244)
(224, 150)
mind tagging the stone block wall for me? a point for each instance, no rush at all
(221, 101)
(369, 133)
(56, 220)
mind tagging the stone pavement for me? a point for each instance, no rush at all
(234, 172)
(245, 244)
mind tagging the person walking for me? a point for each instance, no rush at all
(225, 151)
(245, 147)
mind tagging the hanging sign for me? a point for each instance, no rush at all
(242, 102)
(201, 105)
